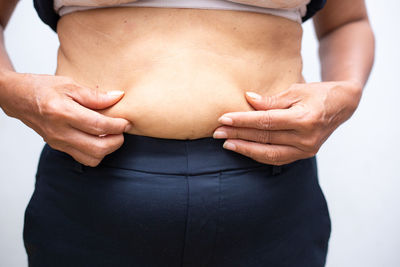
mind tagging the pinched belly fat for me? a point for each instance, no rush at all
(180, 69)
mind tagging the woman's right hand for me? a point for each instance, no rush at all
(63, 113)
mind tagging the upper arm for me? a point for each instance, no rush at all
(6, 9)
(337, 13)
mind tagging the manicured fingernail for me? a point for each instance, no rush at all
(225, 120)
(229, 145)
(115, 93)
(253, 95)
(220, 134)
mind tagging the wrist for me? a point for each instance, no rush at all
(350, 88)
(351, 92)
(8, 80)
(354, 86)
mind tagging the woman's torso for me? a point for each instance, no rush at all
(180, 68)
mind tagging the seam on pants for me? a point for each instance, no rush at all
(218, 220)
(187, 206)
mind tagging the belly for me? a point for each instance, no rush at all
(181, 69)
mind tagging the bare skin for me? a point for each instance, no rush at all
(294, 123)
(179, 78)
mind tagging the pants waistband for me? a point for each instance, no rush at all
(175, 156)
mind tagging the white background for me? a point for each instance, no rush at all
(357, 165)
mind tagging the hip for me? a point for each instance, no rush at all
(212, 206)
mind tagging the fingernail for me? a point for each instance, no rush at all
(115, 93)
(225, 120)
(253, 95)
(220, 134)
(229, 145)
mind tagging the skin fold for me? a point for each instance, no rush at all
(178, 78)
(183, 74)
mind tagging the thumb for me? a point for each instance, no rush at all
(95, 99)
(277, 101)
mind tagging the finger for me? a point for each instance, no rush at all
(274, 119)
(260, 136)
(281, 100)
(98, 147)
(81, 157)
(265, 153)
(94, 146)
(94, 123)
(94, 98)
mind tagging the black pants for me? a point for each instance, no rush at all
(167, 202)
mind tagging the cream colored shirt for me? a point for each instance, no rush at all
(291, 9)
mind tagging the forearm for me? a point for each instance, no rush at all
(6, 68)
(347, 53)
(5, 62)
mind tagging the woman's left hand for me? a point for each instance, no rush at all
(290, 125)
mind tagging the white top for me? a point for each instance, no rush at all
(290, 9)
